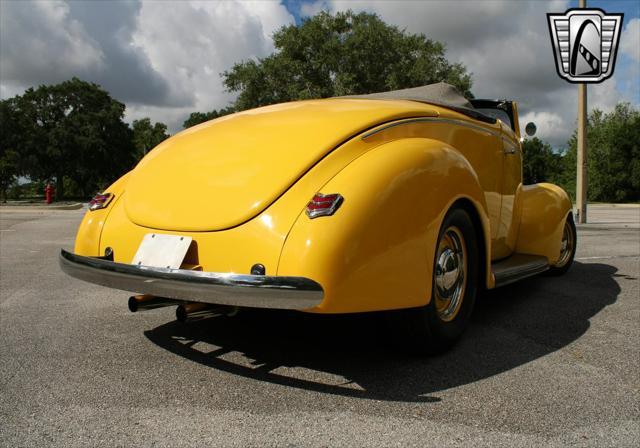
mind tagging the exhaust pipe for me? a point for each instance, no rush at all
(198, 310)
(148, 302)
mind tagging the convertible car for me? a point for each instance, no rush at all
(406, 200)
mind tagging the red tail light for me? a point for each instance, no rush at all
(101, 200)
(324, 205)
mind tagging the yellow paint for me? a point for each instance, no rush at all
(511, 183)
(225, 172)
(88, 236)
(398, 182)
(545, 208)
(377, 251)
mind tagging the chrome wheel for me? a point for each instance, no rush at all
(567, 245)
(450, 274)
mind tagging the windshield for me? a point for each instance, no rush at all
(496, 113)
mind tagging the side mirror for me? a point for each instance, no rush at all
(530, 129)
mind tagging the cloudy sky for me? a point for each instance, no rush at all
(164, 58)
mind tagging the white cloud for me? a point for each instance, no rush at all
(551, 126)
(630, 40)
(173, 117)
(164, 59)
(191, 43)
(49, 42)
(506, 46)
(161, 58)
(42, 26)
(605, 96)
(313, 8)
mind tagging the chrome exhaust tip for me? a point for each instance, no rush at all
(198, 310)
(148, 302)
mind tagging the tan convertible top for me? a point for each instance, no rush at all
(440, 93)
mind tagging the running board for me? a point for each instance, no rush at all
(517, 267)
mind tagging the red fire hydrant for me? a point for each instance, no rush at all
(49, 193)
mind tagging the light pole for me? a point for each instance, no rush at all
(581, 180)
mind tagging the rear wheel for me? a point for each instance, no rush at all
(438, 325)
(567, 248)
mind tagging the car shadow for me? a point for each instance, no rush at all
(359, 356)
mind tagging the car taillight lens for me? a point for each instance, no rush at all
(101, 200)
(324, 205)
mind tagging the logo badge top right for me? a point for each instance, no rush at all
(585, 43)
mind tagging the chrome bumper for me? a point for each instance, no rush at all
(259, 291)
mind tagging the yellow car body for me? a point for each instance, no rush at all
(239, 186)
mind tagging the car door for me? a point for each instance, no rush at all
(511, 185)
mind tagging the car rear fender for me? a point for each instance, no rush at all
(376, 252)
(545, 208)
(88, 236)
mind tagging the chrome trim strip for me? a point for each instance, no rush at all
(259, 291)
(434, 120)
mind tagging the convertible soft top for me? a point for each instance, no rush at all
(440, 94)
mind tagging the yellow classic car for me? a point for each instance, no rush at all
(411, 199)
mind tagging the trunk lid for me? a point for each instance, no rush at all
(222, 173)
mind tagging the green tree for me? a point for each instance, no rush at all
(200, 117)
(9, 170)
(540, 163)
(73, 130)
(10, 167)
(613, 146)
(147, 136)
(342, 54)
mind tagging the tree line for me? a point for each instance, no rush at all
(613, 148)
(74, 132)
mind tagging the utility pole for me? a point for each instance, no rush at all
(581, 180)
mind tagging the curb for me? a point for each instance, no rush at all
(605, 205)
(75, 206)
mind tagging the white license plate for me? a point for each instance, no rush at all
(162, 251)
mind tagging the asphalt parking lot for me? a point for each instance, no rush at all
(548, 361)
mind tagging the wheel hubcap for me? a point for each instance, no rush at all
(451, 273)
